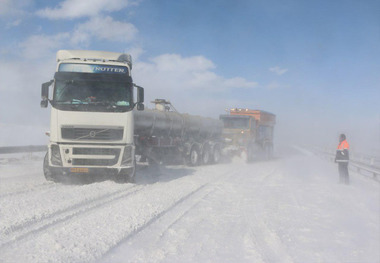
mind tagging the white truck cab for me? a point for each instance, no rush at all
(91, 124)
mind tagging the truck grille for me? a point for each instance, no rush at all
(97, 134)
(101, 152)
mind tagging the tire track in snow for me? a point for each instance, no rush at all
(272, 249)
(47, 185)
(193, 199)
(151, 221)
(35, 188)
(50, 186)
(225, 176)
(23, 230)
(33, 227)
(17, 232)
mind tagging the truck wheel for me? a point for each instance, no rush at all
(268, 152)
(271, 152)
(206, 155)
(49, 176)
(132, 176)
(216, 155)
(244, 156)
(152, 162)
(249, 154)
(127, 177)
(194, 157)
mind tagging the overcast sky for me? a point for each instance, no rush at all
(315, 64)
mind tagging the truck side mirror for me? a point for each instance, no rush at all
(140, 106)
(140, 97)
(44, 103)
(45, 94)
(140, 94)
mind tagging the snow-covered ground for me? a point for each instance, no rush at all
(290, 209)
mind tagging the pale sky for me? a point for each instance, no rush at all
(315, 64)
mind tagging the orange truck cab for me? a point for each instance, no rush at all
(248, 133)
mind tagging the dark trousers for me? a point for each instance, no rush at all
(343, 173)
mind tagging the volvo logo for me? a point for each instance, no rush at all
(92, 134)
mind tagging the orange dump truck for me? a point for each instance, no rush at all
(248, 133)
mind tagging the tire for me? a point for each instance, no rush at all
(244, 156)
(132, 176)
(49, 176)
(152, 162)
(127, 177)
(249, 154)
(206, 155)
(268, 152)
(216, 155)
(193, 159)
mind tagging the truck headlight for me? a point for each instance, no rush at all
(127, 156)
(55, 155)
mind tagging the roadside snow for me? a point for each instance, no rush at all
(290, 209)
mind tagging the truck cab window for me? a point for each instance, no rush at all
(236, 123)
(97, 95)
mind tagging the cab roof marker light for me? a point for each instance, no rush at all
(91, 55)
(126, 58)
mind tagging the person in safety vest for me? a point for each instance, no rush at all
(342, 158)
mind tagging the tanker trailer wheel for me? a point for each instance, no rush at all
(216, 155)
(49, 176)
(206, 155)
(193, 159)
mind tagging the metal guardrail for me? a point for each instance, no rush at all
(361, 166)
(23, 149)
(374, 171)
(366, 159)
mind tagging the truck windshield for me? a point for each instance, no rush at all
(92, 95)
(236, 123)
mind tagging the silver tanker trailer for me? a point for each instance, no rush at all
(163, 134)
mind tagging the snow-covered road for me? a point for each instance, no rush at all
(290, 209)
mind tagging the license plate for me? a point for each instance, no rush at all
(79, 170)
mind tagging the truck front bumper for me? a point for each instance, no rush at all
(91, 171)
(91, 159)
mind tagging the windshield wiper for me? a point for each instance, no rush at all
(72, 101)
(108, 104)
(76, 104)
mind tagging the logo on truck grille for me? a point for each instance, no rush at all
(90, 133)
